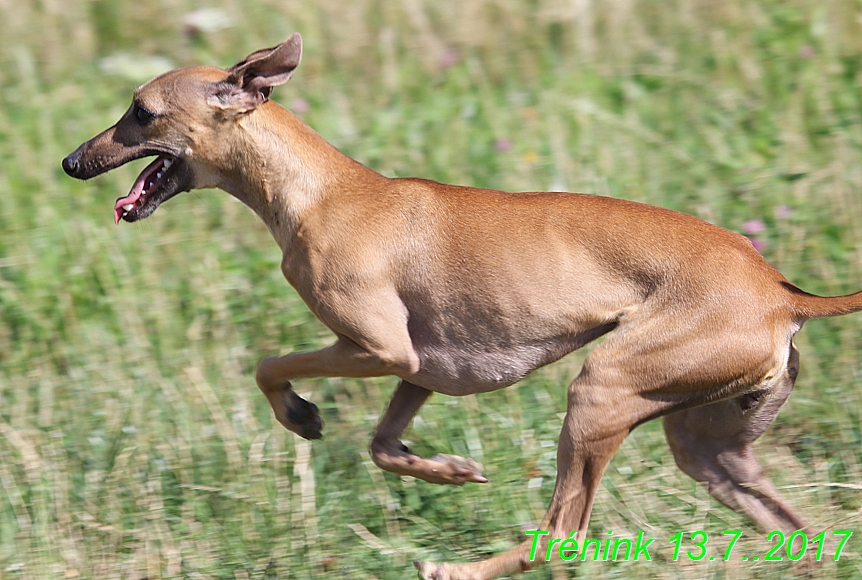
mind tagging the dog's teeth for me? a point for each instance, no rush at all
(128, 207)
(167, 163)
(158, 175)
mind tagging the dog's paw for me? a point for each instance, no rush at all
(429, 571)
(292, 411)
(303, 417)
(394, 456)
(455, 470)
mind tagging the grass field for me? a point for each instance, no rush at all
(133, 441)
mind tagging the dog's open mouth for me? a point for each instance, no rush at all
(157, 183)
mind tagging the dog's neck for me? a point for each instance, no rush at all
(282, 169)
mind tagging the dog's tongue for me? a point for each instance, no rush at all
(133, 196)
(137, 189)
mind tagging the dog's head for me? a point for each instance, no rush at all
(183, 118)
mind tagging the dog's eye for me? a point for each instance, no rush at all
(142, 115)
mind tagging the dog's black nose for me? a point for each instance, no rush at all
(70, 164)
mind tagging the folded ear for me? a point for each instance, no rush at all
(250, 81)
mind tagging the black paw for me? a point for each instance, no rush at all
(305, 417)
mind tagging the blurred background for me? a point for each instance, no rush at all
(133, 441)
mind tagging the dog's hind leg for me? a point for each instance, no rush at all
(649, 368)
(713, 444)
(392, 455)
(600, 415)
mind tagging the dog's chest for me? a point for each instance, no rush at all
(467, 347)
(463, 368)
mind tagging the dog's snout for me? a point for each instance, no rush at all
(71, 164)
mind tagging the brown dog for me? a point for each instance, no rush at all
(459, 290)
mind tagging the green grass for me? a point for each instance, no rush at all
(133, 441)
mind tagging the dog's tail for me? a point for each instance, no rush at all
(807, 305)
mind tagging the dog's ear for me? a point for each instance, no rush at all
(250, 81)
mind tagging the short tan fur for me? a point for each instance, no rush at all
(460, 290)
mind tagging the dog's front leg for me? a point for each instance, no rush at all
(390, 454)
(345, 358)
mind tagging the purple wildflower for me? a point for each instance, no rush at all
(449, 58)
(502, 145)
(753, 227)
(758, 244)
(300, 106)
